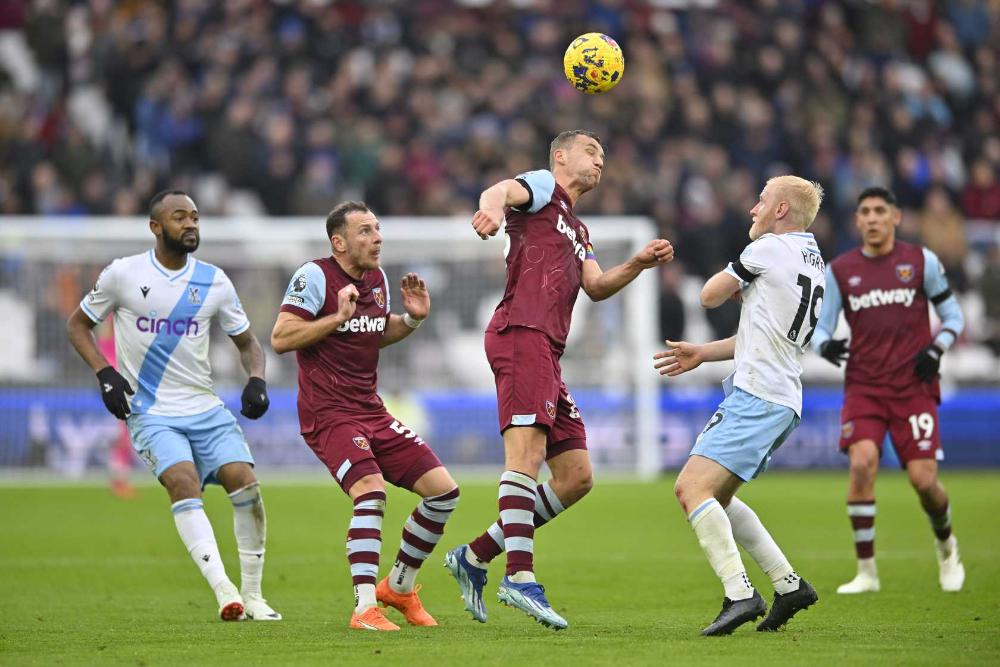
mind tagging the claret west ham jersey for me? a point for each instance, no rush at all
(546, 248)
(885, 302)
(339, 373)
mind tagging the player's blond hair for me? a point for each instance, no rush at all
(804, 197)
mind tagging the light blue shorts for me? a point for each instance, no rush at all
(744, 432)
(209, 440)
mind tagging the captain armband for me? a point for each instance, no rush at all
(742, 271)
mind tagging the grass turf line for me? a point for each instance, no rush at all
(86, 578)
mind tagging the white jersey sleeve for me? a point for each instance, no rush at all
(232, 318)
(104, 298)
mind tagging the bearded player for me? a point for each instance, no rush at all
(549, 258)
(892, 385)
(336, 316)
(164, 303)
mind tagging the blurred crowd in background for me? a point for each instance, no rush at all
(285, 108)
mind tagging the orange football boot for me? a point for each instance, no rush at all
(372, 619)
(407, 603)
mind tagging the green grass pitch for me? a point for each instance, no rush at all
(89, 579)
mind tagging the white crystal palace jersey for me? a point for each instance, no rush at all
(162, 321)
(782, 277)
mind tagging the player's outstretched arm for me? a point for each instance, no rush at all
(681, 357)
(292, 332)
(599, 285)
(719, 288)
(416, 303)
(493, 201)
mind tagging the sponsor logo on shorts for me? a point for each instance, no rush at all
(925, 445)
(362, 442)
(904, 272)
(550, 409)
(379, 296)
(847, 430)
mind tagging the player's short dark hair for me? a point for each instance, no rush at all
(882, 193)
(564, 138)
(157, 200)
(336, 220)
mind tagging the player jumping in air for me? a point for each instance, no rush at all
(164, 303)
(549, 258)
(336, 316)
(892, 374)
(779, 278)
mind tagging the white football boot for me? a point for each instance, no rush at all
(230, 602)
(866, 580)
(951, 573)
(256, 609)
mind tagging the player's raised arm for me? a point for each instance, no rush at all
(718, 289)
(294, 332)
(599, 285)
(416, 303)
(493, 201)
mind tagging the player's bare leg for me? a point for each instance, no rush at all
(422, 532)
(250, 527)
(364, 546)
(864, 461)
(703, 488)
(184, 488)
(934, 499)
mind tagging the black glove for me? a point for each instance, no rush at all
(834, 350)
(928, 362)
(113, 390)
(254, 399)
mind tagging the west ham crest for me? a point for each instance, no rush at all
(379, 296)
(550, 409)
(847, 430)
(362, 442)
(904, 272)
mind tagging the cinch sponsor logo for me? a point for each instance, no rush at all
(186, 327)
(363, 324)
(882, 297)
(570, 233)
